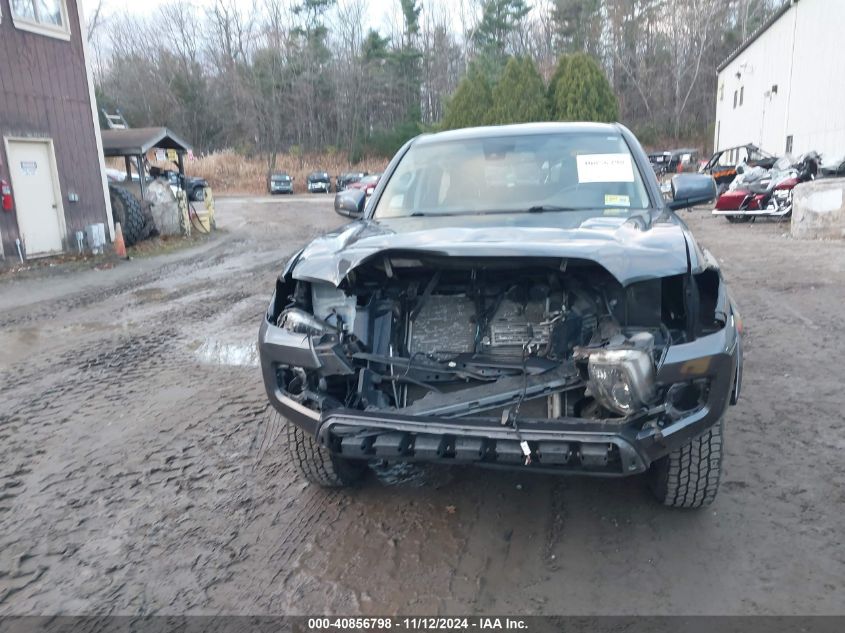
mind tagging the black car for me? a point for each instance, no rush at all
(344, 180)
(659, 161)
(193, 185)
(319, 182)
(563, 320)
(681, 160)
(280, 182)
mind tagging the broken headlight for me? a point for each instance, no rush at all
(300, 322)
(621, 380)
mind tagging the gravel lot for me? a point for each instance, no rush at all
(139, 474)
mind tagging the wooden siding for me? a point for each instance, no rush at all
(44, 93)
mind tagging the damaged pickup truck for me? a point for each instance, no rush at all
(518, 297)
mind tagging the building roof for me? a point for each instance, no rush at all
(787, 5)
(136, 141)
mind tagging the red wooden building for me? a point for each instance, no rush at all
(51, 158)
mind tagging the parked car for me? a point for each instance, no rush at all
(681, 160)
(659, 162)
(280, 182)
(193, 185)
(570, 324)
(834, 168)
(319, 182)
(367, 184)
(344, 180)
(723, 163)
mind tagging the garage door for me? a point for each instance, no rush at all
(41, 226)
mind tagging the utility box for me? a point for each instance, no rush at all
(95, 234)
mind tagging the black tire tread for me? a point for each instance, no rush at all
(689, 476)
(126, 209)
(316, 463)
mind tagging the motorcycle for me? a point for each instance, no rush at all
(760, 192)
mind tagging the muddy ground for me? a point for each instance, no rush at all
(138, 473)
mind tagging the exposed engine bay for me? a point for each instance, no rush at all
(560, 319)
(516, 338)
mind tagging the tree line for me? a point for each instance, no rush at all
(577, 91)
(312, 75)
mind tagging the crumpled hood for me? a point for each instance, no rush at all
(631, 249)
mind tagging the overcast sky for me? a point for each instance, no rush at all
(381, 12)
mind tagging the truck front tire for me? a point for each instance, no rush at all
(688, 477)
(317, 464)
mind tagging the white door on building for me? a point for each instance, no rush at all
(31, 165)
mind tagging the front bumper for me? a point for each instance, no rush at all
(563, 445)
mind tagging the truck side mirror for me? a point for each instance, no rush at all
(689, 190)
(350, 203)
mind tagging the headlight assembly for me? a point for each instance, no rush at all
(621, 380)
(300, 322)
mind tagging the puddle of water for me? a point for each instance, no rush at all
(216, 352)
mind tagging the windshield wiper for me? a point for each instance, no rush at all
(542, 208)
(426, 214)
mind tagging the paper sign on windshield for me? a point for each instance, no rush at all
(605, 168)
(617, 201)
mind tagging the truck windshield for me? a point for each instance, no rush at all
(535, 172)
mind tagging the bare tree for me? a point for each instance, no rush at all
(179, 22)
(690, 27)
(94, 22)
(274, 75)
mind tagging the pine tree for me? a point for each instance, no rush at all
(499, 18)
(519, 96)
(561, 69)
(578, 25)
(581, 91)
(471, 103)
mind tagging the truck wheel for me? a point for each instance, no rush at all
(126, 209)
(688, 477)
(317, 464)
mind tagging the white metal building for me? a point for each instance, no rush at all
(783, 89)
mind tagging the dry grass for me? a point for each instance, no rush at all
(229, 172)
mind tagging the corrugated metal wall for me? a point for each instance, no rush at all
(44, 93)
